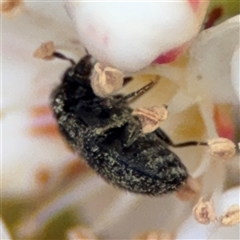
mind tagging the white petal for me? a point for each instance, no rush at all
(227, 233)
(191, 229)
(235, 71)
(229, 198)
(28, 82)
(4, 232)
(211, 55)
(25, 155)
(222, 204)
(24, 77)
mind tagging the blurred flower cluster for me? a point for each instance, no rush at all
(48, 192)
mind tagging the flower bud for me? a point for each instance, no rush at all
(129, 35)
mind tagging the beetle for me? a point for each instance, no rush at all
(106, 134)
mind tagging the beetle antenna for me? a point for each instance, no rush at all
(87, 53)
(63, 57)
(165, 138)
(126, 80)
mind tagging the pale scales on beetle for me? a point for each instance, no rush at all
(110, 135)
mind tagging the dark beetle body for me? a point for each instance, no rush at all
(101, 130)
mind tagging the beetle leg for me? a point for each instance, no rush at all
(141, 91)
(165, 138)
(117, 123)
(126, 80)
(63, 57)
(132, 133)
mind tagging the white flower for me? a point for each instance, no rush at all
(215, 61)
(31, 145)
(31, 142)
(215, 230)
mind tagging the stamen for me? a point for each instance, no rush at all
(222, 148)
(231, 217)
(151, 117)
(106, 80)
(47, 52)
(204, 211)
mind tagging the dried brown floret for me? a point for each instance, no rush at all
(45, 51)
(74, 168)
(151, 117)
(189, 190)
(232, 216)
(154, 235)
(222, 148)
(80, 232)
(204, 211)
(43, 176)
(11, 6)
(106, 80)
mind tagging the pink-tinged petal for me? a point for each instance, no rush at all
(194, 4)
(43, 122)
(171, 55)
(224, 121)
(213, 16)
